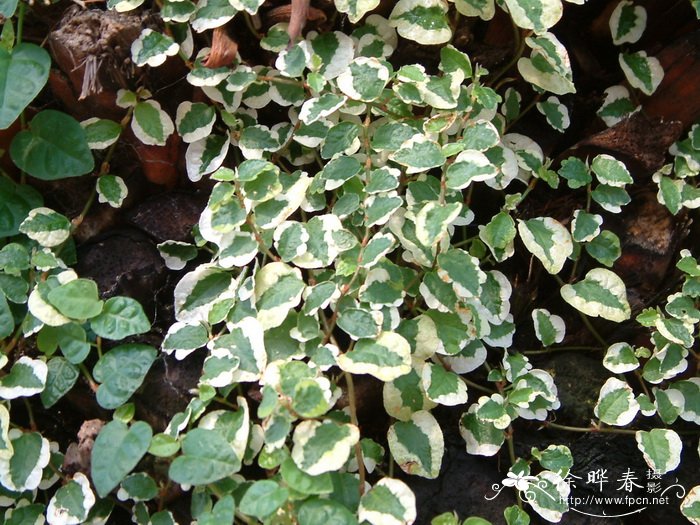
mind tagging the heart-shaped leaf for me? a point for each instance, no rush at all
(121, 372)
(54, 147)
(23, 73)
(208, 457)
(116, 452)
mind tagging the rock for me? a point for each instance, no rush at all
(181, 209)
(124, 262)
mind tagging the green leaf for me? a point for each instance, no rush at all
(223, 512)
(356, 9)
(605, 248)
(469, 166)
(556, 113)
(616, 403)
(462, 271)
(556, 458)
(72, 502)
(498, 234)
(549, 328)
(205, 156)
(26, 378)
(7, 321)
(61, 377)
(316, 511)
(117, 450)
(16, 201)
(48, 155)
(323, 446)
(152, 48)
(610, 199)
(178, 12)
(389, 501)
(151, 124)
(516, 516)
(539, 15)
(112, 190)
(198, 291)
(164, 446)
(121, 317)
(548, 67)
(359, 323)
(302, 482)
(418, 154)
(101, 133)
(194, 121)
(547, 240)
(138, 487)
(263, 498)
(642, 72)
(183, 339)
(24, 71)
(320, 107)
(600, 293)
(617, 105)
(71, 337)
(23, 470)
(7, 9)
(335, 51)
(386, 357)
(576, 172)
(77, 299)
(423, 21)
(46, 227)
(417, 445)
(550, 496)
(620, 358)
(627, 23)
(690, 506)
(483, 438)
(207, 457)
(611, 171)
(661, 449)
(364, 80)
(121, 371)
(585, 226)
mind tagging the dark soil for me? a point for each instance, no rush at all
(118, 250)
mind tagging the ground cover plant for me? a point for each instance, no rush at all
(299, 263)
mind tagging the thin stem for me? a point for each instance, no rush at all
(20, 21)
(511, 455)
(251, 26)
(477, 386)
(30, 413)
(13, 342)
(77, 221)
(353, 419)
(574, 268)
(586, 321)
(465, 242)
(225, 402)
(345, 289)
(550, 350)
(88, 376)
(519, 41)
(593, 428)
(524, 111)
(458, 16)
